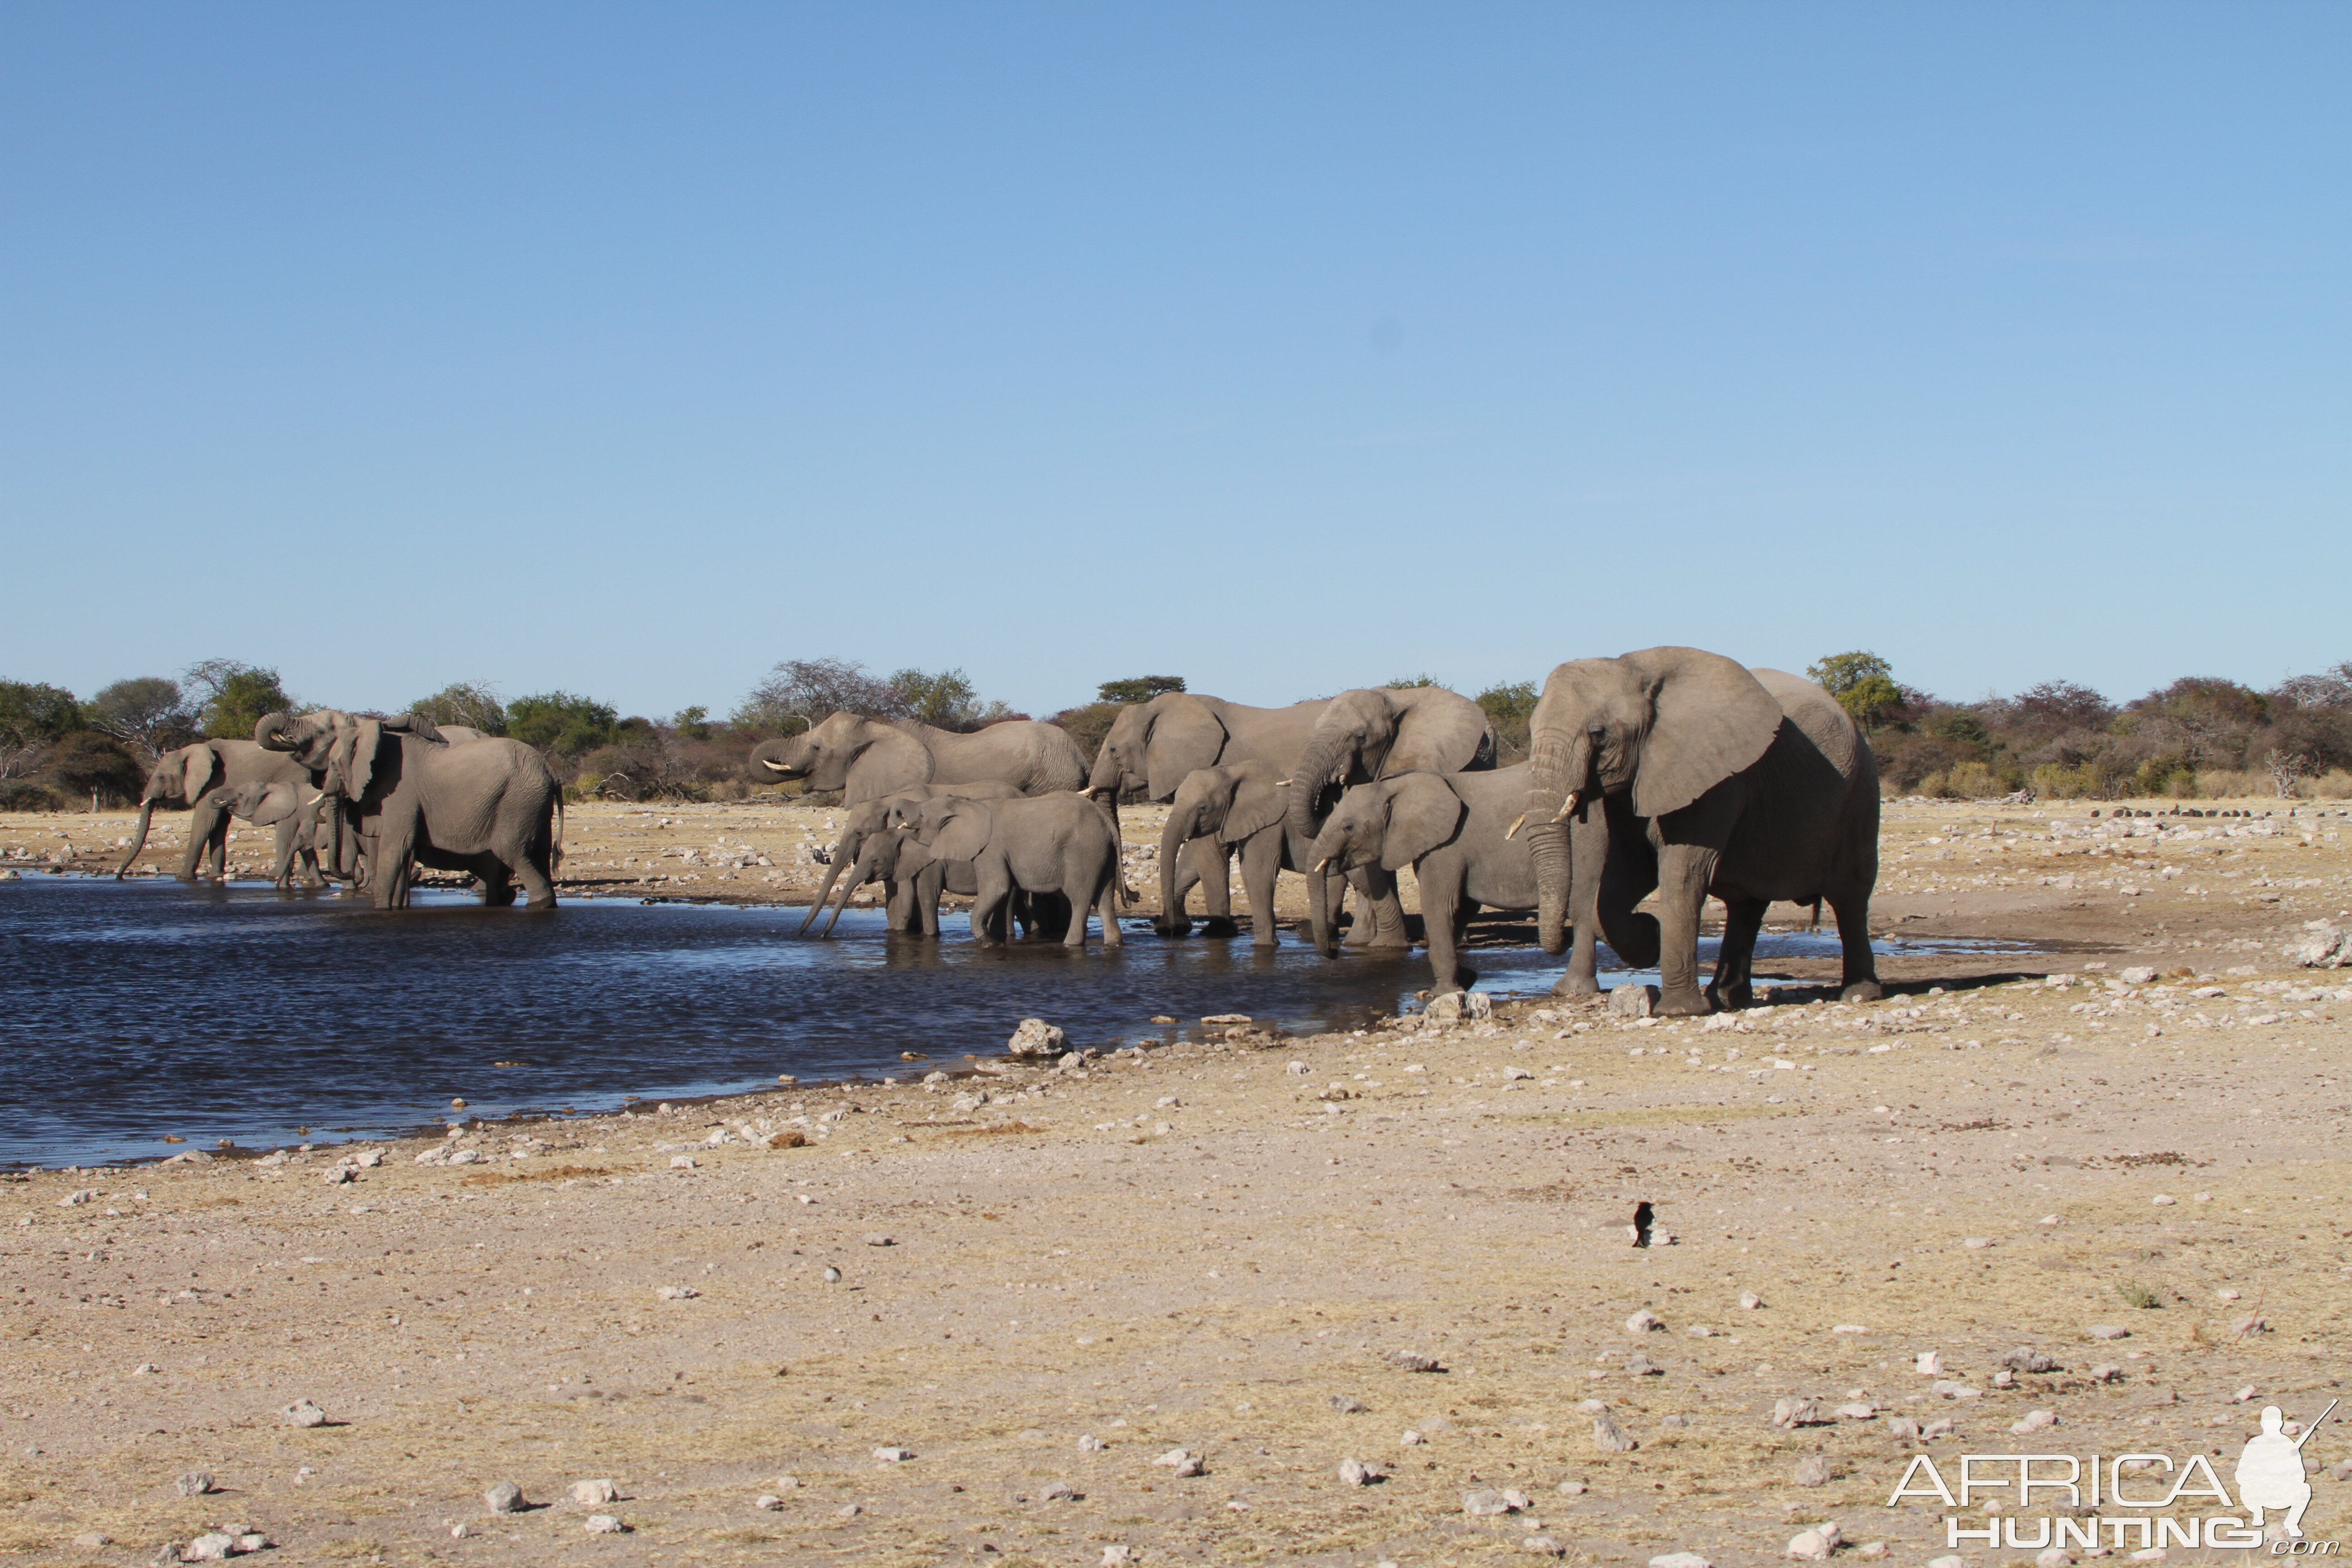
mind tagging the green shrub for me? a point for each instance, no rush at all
(86, 762)
(1971, 781)
(561, 722)
(24, 795)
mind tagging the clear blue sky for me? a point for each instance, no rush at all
(631, 349)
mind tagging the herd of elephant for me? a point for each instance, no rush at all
(1670, 771)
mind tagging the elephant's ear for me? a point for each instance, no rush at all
(1710, 718)
(200, 765)
(276, 803)
(1423, 812)
(1440, 731)
(1185, 735)
(1259, 801)
(889, 763)
(963, 831)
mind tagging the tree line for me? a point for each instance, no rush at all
(2199, 735)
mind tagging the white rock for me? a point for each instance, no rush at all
(1750, 1300)
(504, 1498)
(213, 1547)
(1947, 1563)
(1642, 1322)
(1181, 1461)
(681, 1163)
(1356, 1473)
(604, 1524)
(1610, 1438)
(2110, 1332)
(302, 1412)
(1931, 1364)
(894, 1455)
(1813, 1545)
(2139, 975)
(1115, 1557)
(1060, 1491)
(676, 1292)
(1037, 1038)
(1484, 1504)
(1631, 1001)
(1680, 1560)
(1793, 1412)
(1813, 1470)
(2034, 1421)
(1860, 1410)
(593, 1494)
(1951, 1388)
(767, 1500)
(2054, 1557)
(1089, 1444)
(196, 1483)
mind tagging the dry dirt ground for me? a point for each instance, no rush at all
(1218, 1246)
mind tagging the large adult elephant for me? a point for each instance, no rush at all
(866, 758)
(488, 806)
(190, 776)
(1712, 778)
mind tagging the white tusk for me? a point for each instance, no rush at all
(778, 766)
(1517, 822)
(1323, 862)
(1281, 783)
(1568, 806)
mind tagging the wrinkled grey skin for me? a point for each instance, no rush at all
(1236, 808)
(187, 776)
(870, 817)
(917, 879)
(488, 806)
(1710, 779)
(1455, 831)
(866, 758)
(270, 805)
(1377, 733)
(1048, 843)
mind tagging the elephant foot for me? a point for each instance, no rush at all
(1731, 998)
(1264, 939)
(1576, 985)
(1468, 977)
(1862, 991)
(1221, 926)
(1173, 929)
(1686, 1003)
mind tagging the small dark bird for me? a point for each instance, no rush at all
(1641, 1217)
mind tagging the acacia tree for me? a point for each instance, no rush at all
(148, 713)
(1862, 683)
(800, 693)
(33, 717)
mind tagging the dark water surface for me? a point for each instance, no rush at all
(134, 1009)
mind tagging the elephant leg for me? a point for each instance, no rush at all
(931, 884)
(1107, 904)
(1441, 902)
(1462, 915)
(281, 864)
(1588, 839)
(530, 868)
(1628, 877)
(1209, 861)
(1852, 907)
(1260, 864)
(392, 864)
(1685, 870)
(498, 886)
(1742, 919)
(898, 905)
(1380, 913)
(1078, 891)
(995, 897)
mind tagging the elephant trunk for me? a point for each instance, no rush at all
(138, 840)
(1172, 920)
(774, 761)
(1557, 766)
(843, 847)
(1310, 776)
(1327, 852)
(860, 875)
(268, 732)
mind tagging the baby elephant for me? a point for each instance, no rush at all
(1058, 843)
(1453, 830)
(1240, 806)
(283, 806)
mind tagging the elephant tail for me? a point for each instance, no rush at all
(1817, 914)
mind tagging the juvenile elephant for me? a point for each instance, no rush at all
(271, 804)
(916, 879)
(1235, 806)
(1047, 843)
(866, 758)
(188, 776)
(868, 818)
(1710, 778)
(489, 806)
(1377, 733)
(1455, 831)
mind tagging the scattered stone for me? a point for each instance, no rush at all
(1813, 1545)
(1037, 1038)
(1902, 1428)
(1217, 1018)
(787, 1139)
(1411, 1438)
(2108, 1332)
(1356, 1473)
(1407, 1361)
(2327, 947)
(90, 1540)
(212, 1547)
(1931, 1364)
(605, 1524)
(1953, 1562)
(73, 1199)
(1610, 1438)
(1795, 1413)
(831, 1275)
(1456, 1007)
(2004, 1378)
(1543, 1546)
(1089, 1444)
(302, 1412)
(1676, 1421)
(145, 1369)
(504, 1498)
(1639, 1365)
(849, 1510)
(1952, 1388)
(593, 1494)
(1633, 1001)
(254, 1540)
(339, 1174)
(196, 1483)
(894, 1455)
(1570, 1489)
(2139, 975)
(2107, 1371)
(2054, 1557)
(1859, 1410)
(1642, 1322)
(768, 1501)
(1180, 1461)
(2026, 1358)
(2034, 1421)
(1116, 1556)
(1346, 1405)
(681, 1163)
(1060, 1491)
(1813, 1470)
(676, 1292)
(1871, 1551)
(1485, 1504)
(1938, 1428)
(1680, 1560)
(1750, 1300)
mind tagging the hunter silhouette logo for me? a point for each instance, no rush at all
(2270, 1471)
(2116, 1502)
